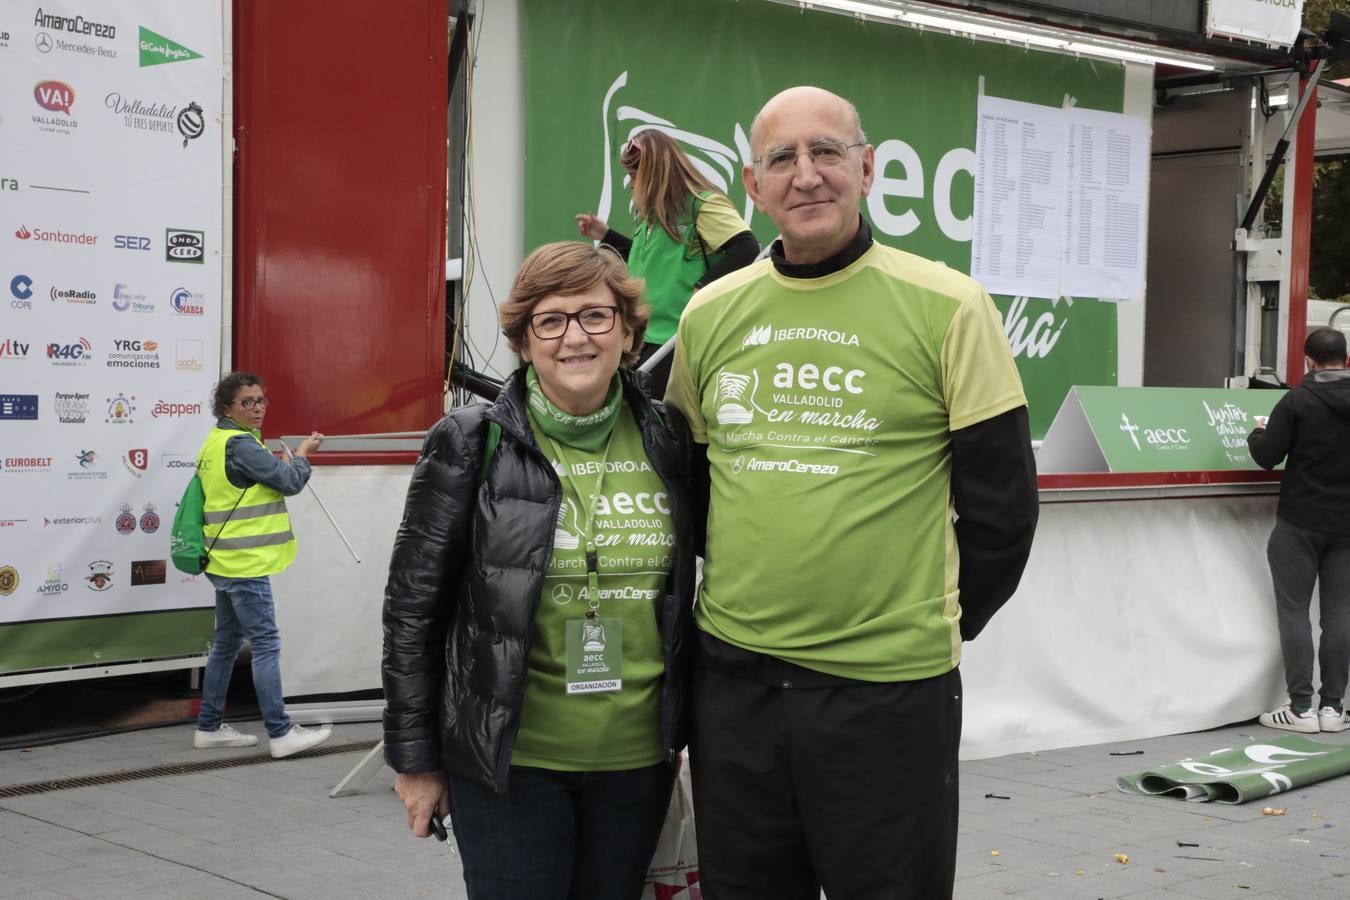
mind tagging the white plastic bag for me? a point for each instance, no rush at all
(674, 871)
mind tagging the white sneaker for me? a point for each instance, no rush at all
(299, 739)
(224, 736)
(1286, 719)
(1331, 720)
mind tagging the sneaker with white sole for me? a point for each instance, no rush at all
(1332, 719)
(1286, 719)
(299, 739)
(224, 736)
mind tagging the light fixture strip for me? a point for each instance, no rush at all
(960, 23)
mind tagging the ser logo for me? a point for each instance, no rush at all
(131, 242)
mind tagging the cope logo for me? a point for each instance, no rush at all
(21, 292)
(131, 242)
(74, 354)
(186, 303)
(184, 246)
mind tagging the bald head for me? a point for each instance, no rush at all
(805, 99)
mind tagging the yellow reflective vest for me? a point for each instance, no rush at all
(256, 538)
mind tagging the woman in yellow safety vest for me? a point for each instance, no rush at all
(248, 537)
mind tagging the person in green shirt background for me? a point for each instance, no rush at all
(538, 615)
(674, 259)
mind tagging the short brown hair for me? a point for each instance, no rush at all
(1325, 346)
(568, 268)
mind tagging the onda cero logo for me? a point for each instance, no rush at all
(181, 245)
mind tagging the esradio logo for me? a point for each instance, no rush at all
(73, 354)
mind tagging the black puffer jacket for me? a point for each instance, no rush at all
(465, 580)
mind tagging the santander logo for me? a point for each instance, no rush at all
(23, 233)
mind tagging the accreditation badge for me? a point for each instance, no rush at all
(594, 656)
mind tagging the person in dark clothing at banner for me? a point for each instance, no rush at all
(851, 398)
(672, 258)
(1310, 427)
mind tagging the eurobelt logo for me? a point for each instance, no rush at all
(156, 49)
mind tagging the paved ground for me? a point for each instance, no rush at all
(270, 829)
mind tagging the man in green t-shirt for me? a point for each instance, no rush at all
(872, 500)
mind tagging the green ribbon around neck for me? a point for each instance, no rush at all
(588, 432)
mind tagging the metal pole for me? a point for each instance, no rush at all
(319, 500)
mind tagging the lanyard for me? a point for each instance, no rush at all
(588, 534)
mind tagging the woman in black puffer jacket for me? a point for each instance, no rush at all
(538, 614)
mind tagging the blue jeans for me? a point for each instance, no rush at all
(244, 610)
(560, 835)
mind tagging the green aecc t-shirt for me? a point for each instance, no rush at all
(827, 405)
(608, 731)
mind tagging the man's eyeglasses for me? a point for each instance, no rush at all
(252, 403)
(549, 326)
(824, 155)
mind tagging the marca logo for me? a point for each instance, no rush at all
(72, 408)
(54, 96)
(12, 349)
(76, 354)
(131, 242)
(121, 408)
(157, 50)
(184, 246)
(188, 354)
(77, 238)
(175, 410)
(72, 295)
(132, 354)
(186, 303)
(18, 407)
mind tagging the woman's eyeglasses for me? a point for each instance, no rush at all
(252, 403)
(550, 326)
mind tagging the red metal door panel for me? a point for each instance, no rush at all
(340, 197)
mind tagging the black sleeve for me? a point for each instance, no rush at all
(737, 253)
(1270, 445)
(997, 504)
(699, 485)
(623, 244)
(419, 598)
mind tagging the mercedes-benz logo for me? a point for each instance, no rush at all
(562, 594)
(43, 42)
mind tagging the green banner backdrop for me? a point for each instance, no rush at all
(1239, 774)
(598, 70)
